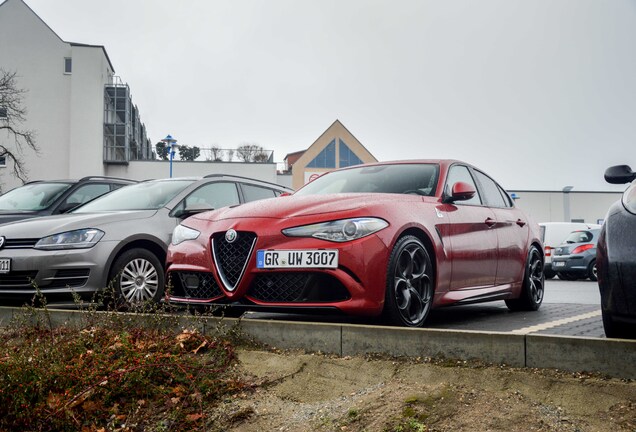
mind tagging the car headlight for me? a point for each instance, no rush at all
(182, 233)
(629, 198)
(339, 230)
(78, 239)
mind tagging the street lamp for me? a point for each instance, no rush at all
(172, 143)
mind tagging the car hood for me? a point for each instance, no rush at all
(298, 206)
(47, 225)
(12, 216)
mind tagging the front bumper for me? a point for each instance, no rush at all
(356, 287)
(58, 273)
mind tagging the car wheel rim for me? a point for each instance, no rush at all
(412, 284)
(535, 277)
(139, 281)
(595, 271)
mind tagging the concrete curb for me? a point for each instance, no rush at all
(614, 357)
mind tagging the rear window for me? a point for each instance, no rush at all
(579, 237)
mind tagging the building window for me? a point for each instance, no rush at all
(347, 157)
(326, 158)
(68, 65)
(3, 113)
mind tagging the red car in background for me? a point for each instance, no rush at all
(392, 238)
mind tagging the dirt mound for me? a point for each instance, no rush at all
(303, 392)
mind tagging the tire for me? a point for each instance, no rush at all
(533, 284)
(138, 277)
(615, 329)
(549, 274)
(410, 283)
(591, 271)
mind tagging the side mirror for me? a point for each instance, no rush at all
(460, 192)
(67, 207)
(619, 174)
(192, 209)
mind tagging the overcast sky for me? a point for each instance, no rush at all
(539, 94)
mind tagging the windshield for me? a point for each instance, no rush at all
(32, 197)
(419, 179)
(142, 196)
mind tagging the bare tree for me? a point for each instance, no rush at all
(217, 153)
(12, 115)
(249, 152)
(261, 156)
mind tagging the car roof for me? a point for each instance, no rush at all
(222, 176)
(85, 179)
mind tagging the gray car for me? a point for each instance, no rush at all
(120, 238)
(575, 258)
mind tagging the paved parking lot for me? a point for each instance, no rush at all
(570, 308)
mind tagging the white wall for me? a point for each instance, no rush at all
(143, 170)
(31, 49)
(90, 73)
(65, 111)
(550, 206)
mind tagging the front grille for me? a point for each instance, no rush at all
(20, 243)
(230, 258)
(73, 278)
(297, 287)
(18, 279)
(195, 285)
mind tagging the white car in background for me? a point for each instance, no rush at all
(553, 234)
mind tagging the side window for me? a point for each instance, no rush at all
(253, 193)
(214, 195)
(459, 173)
(492, 194)
(506, 197)
(84, 194)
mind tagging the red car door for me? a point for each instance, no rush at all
(473, 242)
(511, 228)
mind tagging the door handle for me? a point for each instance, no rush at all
(490, 222)
(521, 223)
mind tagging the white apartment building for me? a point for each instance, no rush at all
(82, 114)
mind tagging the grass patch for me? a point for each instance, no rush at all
(111, 371)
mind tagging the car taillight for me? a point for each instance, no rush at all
(582, 248)
(548, 251)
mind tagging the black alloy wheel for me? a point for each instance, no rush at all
(533, 284)
(410, 283)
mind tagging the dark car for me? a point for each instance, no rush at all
(616, 258)
(119, 238)
(575, 258)
(393, 238)
(51, 197)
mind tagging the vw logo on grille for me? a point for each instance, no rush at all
(2, 239)
(231, 236)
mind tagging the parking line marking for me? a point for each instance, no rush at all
(552, 324)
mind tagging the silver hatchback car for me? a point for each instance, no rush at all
(120, 238)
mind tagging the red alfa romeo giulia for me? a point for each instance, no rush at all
(392, 238)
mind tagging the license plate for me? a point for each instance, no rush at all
(559, 264)
(306, 258)
(5, 265)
